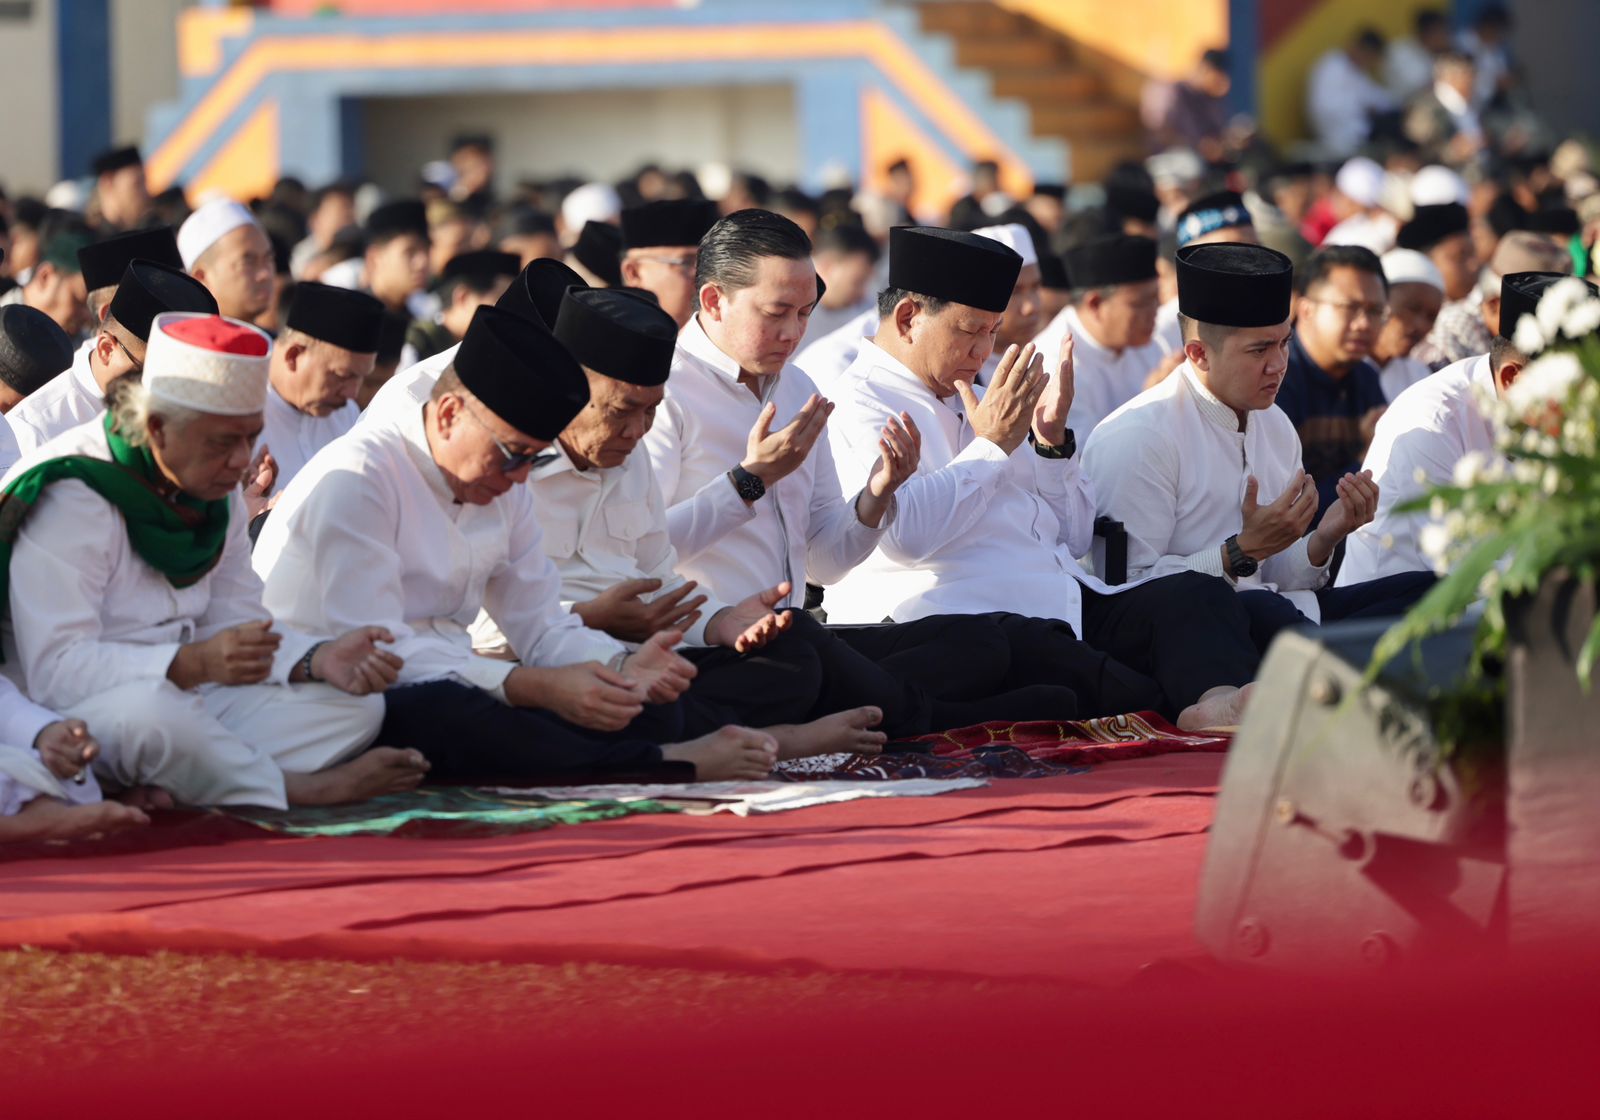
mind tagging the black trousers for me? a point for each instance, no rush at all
(779, 683)
(473, 739)
(1156, 646)
(1388, 597)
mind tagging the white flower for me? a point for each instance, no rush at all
(1469, 468)
(1582, 319)
(1546, 381)
(1434, 540)
(1558, 299)
(1529, 338)
(1551, 481)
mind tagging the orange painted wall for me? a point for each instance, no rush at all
(1162, 38)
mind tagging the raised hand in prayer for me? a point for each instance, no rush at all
(1268, 530)
(899, 451)
(259, 479)
(239, 655)
(657, 668)
(590, 695)
(770, 455)
(1356, 505)
(353, 663)
(66, 747)
(1006, 411)
(750, 623)
(621, 610)
(1050, 414)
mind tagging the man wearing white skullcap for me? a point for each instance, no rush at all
(155, 635)
(1360, 184)
(225, 248)
(592, 202)
(1416, 293)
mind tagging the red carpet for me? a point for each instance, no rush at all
(1085, 877)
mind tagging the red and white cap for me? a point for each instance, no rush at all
(208, 363)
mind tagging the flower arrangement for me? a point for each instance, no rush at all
(1509, 519)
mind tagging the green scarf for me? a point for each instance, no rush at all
(180, 537)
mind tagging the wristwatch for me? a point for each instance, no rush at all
(1066, 449)
(1240, 563)
(748, 486)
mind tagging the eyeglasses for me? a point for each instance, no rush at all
(1375, 312)
(138, 366)
(513, 460)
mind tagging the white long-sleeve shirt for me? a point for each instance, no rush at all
(1427, 428)
(87, 614)
(976, 529)
(70, 398)
(804, 527)
(294, 437)
(1339, 98)
(1399, 374)
(1172, 464)
(1103, 380)
(602, 527)
(409, 387)
(825, 359)
(370, 534)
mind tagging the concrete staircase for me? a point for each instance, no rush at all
(1072, 94)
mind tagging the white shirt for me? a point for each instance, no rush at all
(824, 321)
(804, 527)
(370, 534)
(70, 398)
(410, 386)
(1169, 332)
(294, 437)
(1427, 428)
(1339, 97)
(87, 614)
(1407, 69)
(605, 526)
(831, 354)
(1399, 374)
(977, 530)
(1103, 379)
(1171, 465)
(9, 451)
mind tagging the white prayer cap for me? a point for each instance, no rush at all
(208, 225)
(1175, 167)
(592, 202)
(350, 273)
(1437, 186)
(1361, 181)
(1014, 237)
(68, 194)
(208, 363)
(1407, 266)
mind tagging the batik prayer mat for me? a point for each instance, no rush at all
(1011, 750)
(445, 811)
(746, 799)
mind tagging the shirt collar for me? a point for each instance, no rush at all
(83, 370)
(695, 342)
(1210, 407)
(884, 363)
(563, 464)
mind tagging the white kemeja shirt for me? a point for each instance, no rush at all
(23, 774)
(1399, 374)
(1339, 98)
(1427, 428)
(68, 399)
(1171, 465)
(824, 321)
(294, 437)
(603, 526)
(370, 534)
(9, 451)
(410, 386)
(831, 354)
(1169, 332)
(977, 530)
(1103, 379)
(804, 527)
(87, 614)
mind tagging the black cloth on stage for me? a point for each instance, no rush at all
(148, 289)
(537, 293)
(953, 265)
(1386, 597)
(668, 223)
(1231, 285)
(521, 373)
(470, 738)
(341, 317)
(103, 261)
(617, 334)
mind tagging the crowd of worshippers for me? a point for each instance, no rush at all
(1057, 466)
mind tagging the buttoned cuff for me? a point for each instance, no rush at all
(1208, 561)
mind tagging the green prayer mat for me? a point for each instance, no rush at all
(450, 811)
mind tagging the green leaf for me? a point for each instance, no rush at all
(1586, 656)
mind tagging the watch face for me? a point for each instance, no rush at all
(749, 486)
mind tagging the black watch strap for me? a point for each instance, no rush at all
(1240, 563)
(749, 486)
(1066, 449)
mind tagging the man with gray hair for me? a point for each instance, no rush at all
(132, 606)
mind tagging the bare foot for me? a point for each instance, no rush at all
(727, 754)
(1223, 706)
(843, 731)
(146, 798)
(378, 771)
(46, 818)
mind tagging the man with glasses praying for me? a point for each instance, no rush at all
(1331, 390)
(661, 248)
(146, 290)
